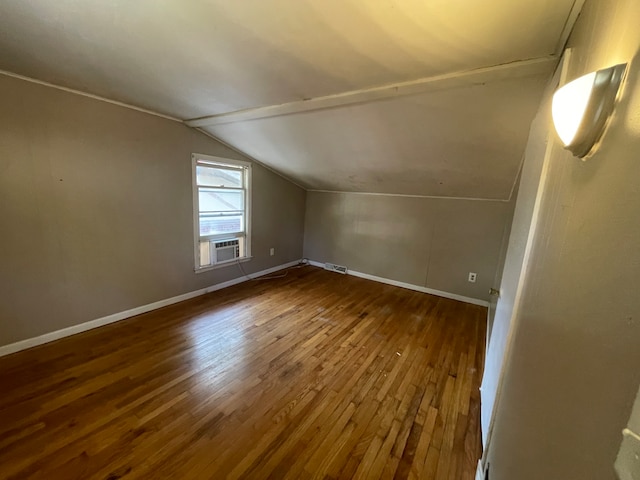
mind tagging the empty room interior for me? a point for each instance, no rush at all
(291, 239)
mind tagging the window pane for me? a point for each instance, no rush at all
(217, 224)
(212, 200)
(205, 253)
(218, 177)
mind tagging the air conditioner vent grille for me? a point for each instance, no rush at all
(226, 250)
(227, 243)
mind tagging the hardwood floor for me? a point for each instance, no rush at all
(314, 375)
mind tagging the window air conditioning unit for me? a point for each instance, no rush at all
(225, 250)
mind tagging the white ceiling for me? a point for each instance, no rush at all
(462, 142)
(455, 132)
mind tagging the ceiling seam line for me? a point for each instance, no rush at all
(258, 162)
(569, 24)
(89, 95)
(477, 199)
(378, 93)
(141, 110)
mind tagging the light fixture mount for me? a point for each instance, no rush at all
(581, 108)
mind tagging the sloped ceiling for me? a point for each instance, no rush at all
(390, 96)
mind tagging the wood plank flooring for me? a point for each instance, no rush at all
(314, 375)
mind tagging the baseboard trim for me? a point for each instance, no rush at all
(417, 288)
(116, 317)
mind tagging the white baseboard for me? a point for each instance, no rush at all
(417, 288)
(480, 471)
(99, 322)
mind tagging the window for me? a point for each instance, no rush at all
(221, 205)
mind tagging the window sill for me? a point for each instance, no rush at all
(222, 264)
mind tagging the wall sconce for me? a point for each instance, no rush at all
(580, 108)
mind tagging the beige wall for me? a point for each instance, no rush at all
(502, 257)
(429, 242)
(574, 369)
(96, 210)
(521, 234)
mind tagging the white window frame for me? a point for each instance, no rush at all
(198, 158)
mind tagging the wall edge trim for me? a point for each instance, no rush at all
(116, 317)
(74, 91)
(410, 286)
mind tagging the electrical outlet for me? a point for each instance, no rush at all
(472, 277)
(272, 251)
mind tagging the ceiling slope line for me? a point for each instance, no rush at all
(237, 150)
(569, 23)
(90, 95)
(516, 69)
(438, 197)
(148, 112)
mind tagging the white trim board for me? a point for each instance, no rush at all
(116, 317)
(409, 286)
(515, 69)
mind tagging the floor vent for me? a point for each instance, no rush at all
(335, 268)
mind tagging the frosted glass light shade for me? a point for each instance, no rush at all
(569, 104)
(581, 108)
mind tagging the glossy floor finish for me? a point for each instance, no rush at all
(314, 375)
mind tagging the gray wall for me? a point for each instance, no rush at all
(96, 210)
(429, 242)
(574, 369)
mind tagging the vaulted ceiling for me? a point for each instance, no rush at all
(412, 97)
